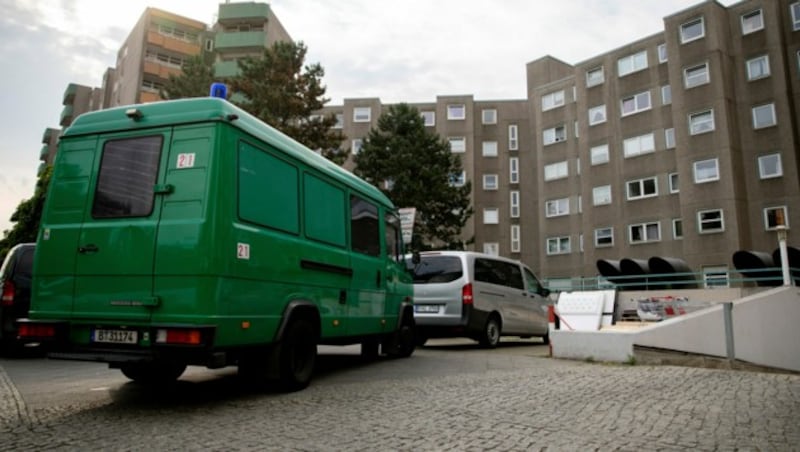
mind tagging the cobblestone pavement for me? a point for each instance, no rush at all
(462, 400)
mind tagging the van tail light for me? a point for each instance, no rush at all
(179, 336)
(8, 293)
(34, 330)
(466, 294)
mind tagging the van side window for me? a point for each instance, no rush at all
(25, 265)
(324, 214)
(128, 171)
(393, 240)
(534, 287)
(263, 176)
(498, 272)
(364, 233)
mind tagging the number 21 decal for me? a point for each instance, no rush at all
(185, 160)
(243, 251)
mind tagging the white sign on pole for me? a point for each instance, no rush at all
(407, 215)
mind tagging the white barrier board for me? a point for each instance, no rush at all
(581, 311)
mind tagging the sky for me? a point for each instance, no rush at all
(409, 51)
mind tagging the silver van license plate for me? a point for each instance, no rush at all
(426, 308)
(115, 336)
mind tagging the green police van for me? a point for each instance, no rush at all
(188, 232)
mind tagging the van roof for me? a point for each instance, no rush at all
(212, 109)
(474, 254)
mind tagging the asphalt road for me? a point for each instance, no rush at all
(449, 396)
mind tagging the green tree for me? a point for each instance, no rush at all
(286, 94)
(416, 168)
(27, 216)
(194, 81)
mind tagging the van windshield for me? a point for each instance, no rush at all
(435, 269)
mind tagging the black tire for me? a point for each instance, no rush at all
(297, 356)
(403, 342)
(158, 372)
(546, 338)
(420, 339)
(491, 333)
(370, 349)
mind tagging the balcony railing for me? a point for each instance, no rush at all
(66, 116)
(240, 40)
(239, 12)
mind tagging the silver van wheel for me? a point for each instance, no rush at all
(491, 333)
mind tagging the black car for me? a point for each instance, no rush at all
(15, 280)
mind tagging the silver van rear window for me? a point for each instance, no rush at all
(435, 269)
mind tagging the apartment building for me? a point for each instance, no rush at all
(683, 144)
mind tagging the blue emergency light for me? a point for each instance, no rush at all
(218, 90)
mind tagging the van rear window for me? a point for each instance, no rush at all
(128, 172)
(435, 269)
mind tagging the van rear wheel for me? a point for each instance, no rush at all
(491, 333)
(297, 356)
(153, 372)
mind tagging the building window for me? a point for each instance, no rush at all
(795, 9)
(709, 221)
(489, 148)
(458, 179)
(555, 171)
(458, 144)
(644, 232)
(556, 207)
(554, 135)
(669, 138)
(516, 242)
(666, 95)
(429, 118)
(752, 21)
(758, 67)
(490, 181)
(643, 144)
(552, 100)
(558, 245)
(597, 115)
(598, 154)
(601, 195)
(770, 166)
(456, 112)
(701, 122)
(489, 116)
(692, 30)
(706, 171)
(339, 121)
(642, 188)
(595, 77)
(776, 216)
(674, 186)
(362, 114)
(490, 216)
(764, 116)
(632, 63)
(491, 248)
(356, 145)
(513, 140)
(513, 170)
(662, 53)
(514, 199)
(636, 103)
(696, 75)
(677, 228)
(715, 276)
(603, 237)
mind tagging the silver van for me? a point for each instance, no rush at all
(475, 295)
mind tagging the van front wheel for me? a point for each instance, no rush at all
(491, 333)
(297, 356)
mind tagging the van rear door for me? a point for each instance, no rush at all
(116, 246)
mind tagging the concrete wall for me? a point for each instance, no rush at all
(767, 330)
(594, 345)
(701, 332)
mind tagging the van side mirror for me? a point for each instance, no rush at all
(544, 292)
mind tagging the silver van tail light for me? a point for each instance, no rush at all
(466, 294)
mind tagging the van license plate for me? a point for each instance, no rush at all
(426, 308)
(115, 336)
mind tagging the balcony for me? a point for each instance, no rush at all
(44, 153)
(48, 135)
(66, 116)
(40, 170)
(161, 70)
(173, 44)
(224, 69)
(240, 41)
(69, 94)
(234, 13)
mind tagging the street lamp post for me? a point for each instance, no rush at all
(781, 230)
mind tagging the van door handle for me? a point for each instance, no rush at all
(342, 296)
(90, 248)
(378, 279)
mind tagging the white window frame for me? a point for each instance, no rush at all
(513, 170)
(762, 166)
(491, 215)
(428, 118)
(702, 223)
(458, 181)
(634, 62)
(558, 245)
(643, 186)
(666, 95)
(339, 124)
(592, 79)
(697, 75)
(597, 115)
(556, 207)
(362, 114)
(601, 195)
(514, 203)
(456, 112)
(794, 9)
(490, 182)
(553, 100)
(639, 101)
(661, 50)
(599, 155)
(771, 217)
(639, 145)
(677, 228)
(489, 148)
(644, 232)
(460, 144)
(554, 135)
(355, 145)
(686, 26)
(516, 240)
(759, 62)
(706, 171)
(701, 122)
(491, 248)
(669, 138)
(753, 27)
(605, 234)
(513, 137)
(772, 112)
(557, 170)
(673, 180)
(489, 116)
